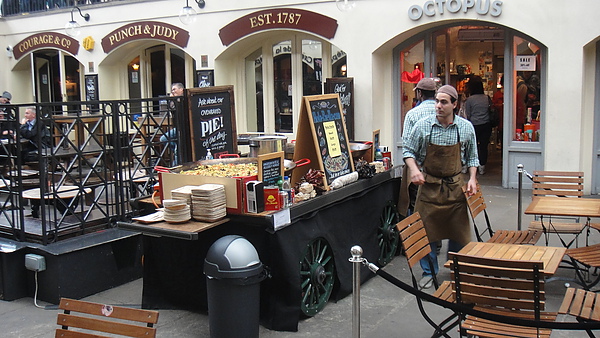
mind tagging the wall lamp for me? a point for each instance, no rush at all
(188, 14)
(72, 28)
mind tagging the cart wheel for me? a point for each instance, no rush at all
(317, 272)
(387, 235)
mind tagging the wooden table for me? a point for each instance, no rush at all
(550, 256)
(564, 206)
(64, 192)
(189, 230)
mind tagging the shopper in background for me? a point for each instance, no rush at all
(434, 152)
(425, 95)
(498, 103)
(476, 108)
(170, 137)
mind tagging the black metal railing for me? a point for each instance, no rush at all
(97, 157)
(18, 7)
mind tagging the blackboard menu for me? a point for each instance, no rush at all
(212, 121)
(344, 86)
(270, 168)
(91, 91)
(330, 135)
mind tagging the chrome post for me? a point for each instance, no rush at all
(519, 205)
(356, 260)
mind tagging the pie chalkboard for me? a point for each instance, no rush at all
(212, 121)
(322, 137)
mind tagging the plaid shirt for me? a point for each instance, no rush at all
(426, 108)
(415, 144)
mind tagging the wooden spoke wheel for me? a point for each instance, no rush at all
(387, 234)
(317, 273)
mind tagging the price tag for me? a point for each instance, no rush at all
(281, 219)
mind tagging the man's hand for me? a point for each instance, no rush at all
(416, 176)
(472, 183)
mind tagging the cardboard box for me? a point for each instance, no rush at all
(235, 187)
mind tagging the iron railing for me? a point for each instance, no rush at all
(19, 7)
(101, 155)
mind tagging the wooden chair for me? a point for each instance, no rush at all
(586, 262)
(512, 288)
(568, 184)
(477, 206)
(583, 305)
(93, 319)
(416, 246)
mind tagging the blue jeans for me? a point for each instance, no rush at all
(452, 247)
(170, 137)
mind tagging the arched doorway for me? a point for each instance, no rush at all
(512, 68)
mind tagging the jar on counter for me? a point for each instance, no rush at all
(519, 135)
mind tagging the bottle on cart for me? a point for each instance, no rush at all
(209, 155)
(287, 187)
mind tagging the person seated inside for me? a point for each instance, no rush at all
(38, 136)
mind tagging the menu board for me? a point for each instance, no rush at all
(322, 138)
(212, 121)
(344, 86)
(270, 168)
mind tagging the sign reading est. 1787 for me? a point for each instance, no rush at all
(278, 18)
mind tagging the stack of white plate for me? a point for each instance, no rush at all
(208, 202)
(176, 211)
(183, 193)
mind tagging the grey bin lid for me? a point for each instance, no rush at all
(232, 256)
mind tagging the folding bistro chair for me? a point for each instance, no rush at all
(567, 184)
(586, 262)
(511, 288)
(416, 246)
(477, 206)
(583, 305)
(87, 319)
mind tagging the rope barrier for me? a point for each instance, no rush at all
(464, 310)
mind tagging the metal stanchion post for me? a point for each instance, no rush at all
(356, 260)
(519, 205)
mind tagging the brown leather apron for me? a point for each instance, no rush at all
(404, 197)
(440, 200)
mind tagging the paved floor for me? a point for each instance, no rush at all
(386, 311)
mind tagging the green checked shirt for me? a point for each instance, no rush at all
(415, 144)
(426, 108)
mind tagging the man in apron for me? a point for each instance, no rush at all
(434, 152)
(425, 93)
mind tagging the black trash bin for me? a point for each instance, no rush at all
(233, 274)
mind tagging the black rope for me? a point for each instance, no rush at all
(486, 315)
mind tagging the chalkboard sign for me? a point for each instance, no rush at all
(322, 138)
(91, 91)
(212, 121)
(270, 168)
(344, 86)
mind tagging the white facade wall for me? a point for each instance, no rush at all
(368, 34)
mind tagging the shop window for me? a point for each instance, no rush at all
(338, 62)
(254, 87)
(526, 111)
(312, 67)
(282, 79)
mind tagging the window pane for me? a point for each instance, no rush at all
(312, 67)
(527, 112)
(282, 78)
(254, 92)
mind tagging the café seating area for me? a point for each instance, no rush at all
(102, 156)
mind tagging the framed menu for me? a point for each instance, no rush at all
(270, 168)
(344, 86)
(212, 121)
(322, 138)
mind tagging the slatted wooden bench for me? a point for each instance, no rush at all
(87, 319)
